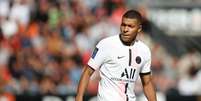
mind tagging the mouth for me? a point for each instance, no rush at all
(125, 35)
(125, 39)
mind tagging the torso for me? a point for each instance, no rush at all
(120, 70)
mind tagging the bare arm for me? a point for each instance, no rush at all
(88, 71)
(148, 87)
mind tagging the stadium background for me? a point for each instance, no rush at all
(44, 44)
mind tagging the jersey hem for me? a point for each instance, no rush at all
(146, 73)
(90, 67)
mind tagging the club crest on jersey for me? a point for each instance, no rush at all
(94, 53)
(138, 60)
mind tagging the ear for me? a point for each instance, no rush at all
(140, 29)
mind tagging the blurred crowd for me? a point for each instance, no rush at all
(45, 43)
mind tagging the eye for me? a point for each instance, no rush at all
(132, 26)
(123, 24)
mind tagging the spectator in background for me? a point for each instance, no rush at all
(190, 84)
(190, 74)
(190, 59)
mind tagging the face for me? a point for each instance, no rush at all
(129, 29)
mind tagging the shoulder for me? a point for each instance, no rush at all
(108, 40)
(143, 47)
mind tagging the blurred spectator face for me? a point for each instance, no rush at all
(192, 71)
(69, 64)
(47, 86)
(24, 83)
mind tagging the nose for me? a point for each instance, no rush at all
(126, 29)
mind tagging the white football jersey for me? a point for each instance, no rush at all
(119, 67)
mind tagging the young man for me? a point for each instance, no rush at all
(120, 59)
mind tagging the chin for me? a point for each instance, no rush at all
(127, 40)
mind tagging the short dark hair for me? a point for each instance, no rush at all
(133, 14)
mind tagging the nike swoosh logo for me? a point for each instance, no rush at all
(119, 57)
